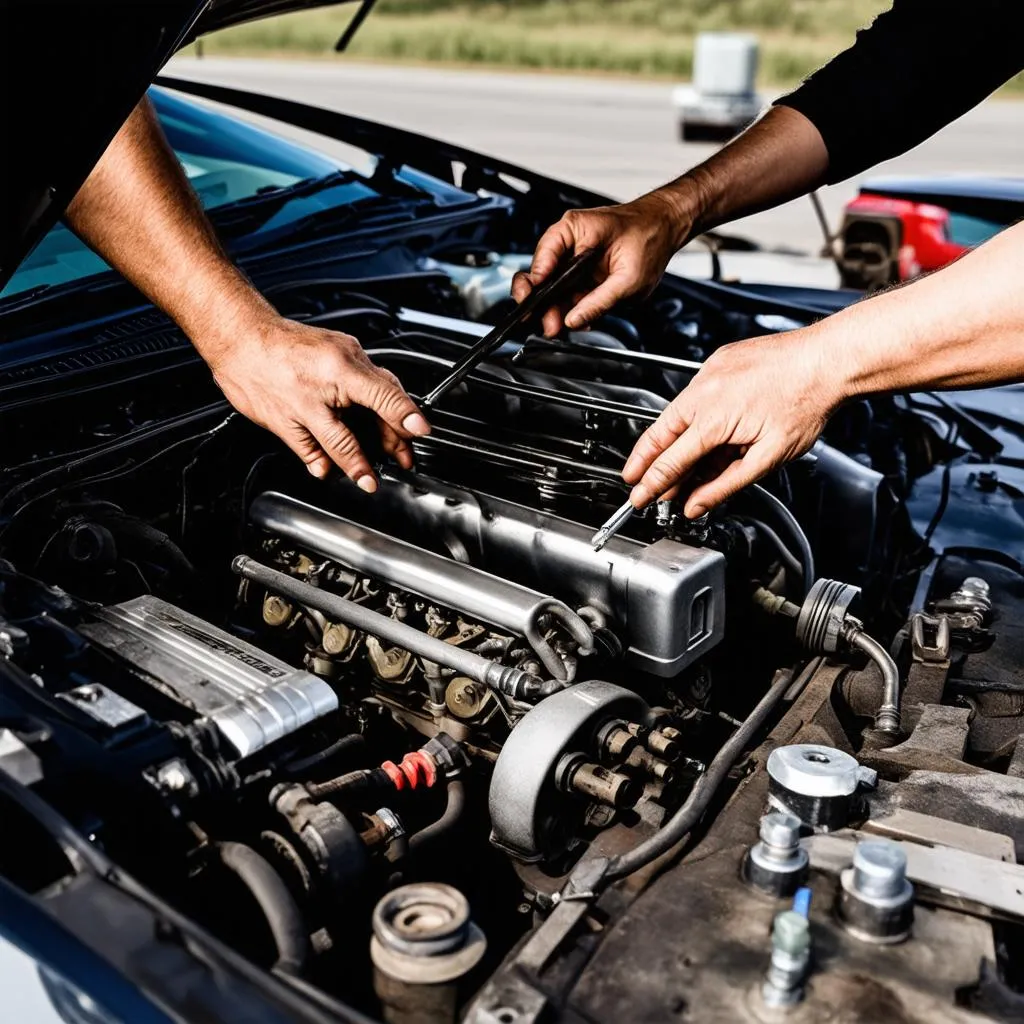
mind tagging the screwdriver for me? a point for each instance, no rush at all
(612, 526)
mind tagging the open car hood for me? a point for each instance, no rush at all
(74, 70)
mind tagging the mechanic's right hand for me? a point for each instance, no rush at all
(294, 379)
(636, 240)
(752, 406)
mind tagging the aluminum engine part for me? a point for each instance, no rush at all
(529, 818)
(665, 601)
(252, 698)
(464, 588)
(816, 783)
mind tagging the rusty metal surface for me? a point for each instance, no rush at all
(696, 945)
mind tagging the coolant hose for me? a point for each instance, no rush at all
(454, 807)
(684, 820)
(887, 719)
(287, 926)
(353, 743)
(360, 783)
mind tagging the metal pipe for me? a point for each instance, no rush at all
(887, 718)
(620, 355)
(684, 820)
(533, 392)
(537, 462)
(511, 681)
(455, 585)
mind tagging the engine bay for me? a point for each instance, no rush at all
(427, 753)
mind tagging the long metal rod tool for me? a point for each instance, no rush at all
(538, 300)
(614, 523)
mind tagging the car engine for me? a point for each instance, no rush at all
(429, 755)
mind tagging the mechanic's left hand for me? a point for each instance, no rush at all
(752, 406)
(295, 379)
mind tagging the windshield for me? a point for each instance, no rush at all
(227, 161)
(971, 231)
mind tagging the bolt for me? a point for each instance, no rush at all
(391, 824)
(780, 835)
(619, 743)
(336, 638)
(602, 784)
(778, 863)
(645, 760)
(791, 953)
(88, 694)
(791, 933)
(174, 777)
(662, 746)
(975, 585)
(879, 869)
(276, 610)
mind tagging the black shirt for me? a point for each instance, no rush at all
(917, 67)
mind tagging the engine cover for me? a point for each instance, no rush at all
(665, 601)
(251, 697)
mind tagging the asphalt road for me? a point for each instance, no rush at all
(614, 136)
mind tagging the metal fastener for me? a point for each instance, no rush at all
(791, 955)
(777, 865)
(876, 901)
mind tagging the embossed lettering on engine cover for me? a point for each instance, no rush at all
(252, 698)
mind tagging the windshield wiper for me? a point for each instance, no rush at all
(255, 210)
(371, 211)
(45, 294)
(245, 216)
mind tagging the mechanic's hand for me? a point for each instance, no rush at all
(294, 378)
(636, 241)
(753, 405)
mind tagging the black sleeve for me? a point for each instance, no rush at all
(917, 67)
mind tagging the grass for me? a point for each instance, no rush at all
(652, 38)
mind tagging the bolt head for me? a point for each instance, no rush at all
(791, 932)
(391, 824)
(975, 585)
(174, 777)
(780, 830)
(879, 868)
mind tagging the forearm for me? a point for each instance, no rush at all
(778, 158)
(962, 326)
(139, 212)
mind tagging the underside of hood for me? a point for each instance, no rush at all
(73, 70)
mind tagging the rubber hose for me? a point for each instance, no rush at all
(795, 530)
(282, 913)
(794, 567)
(453, 810)
(350, 744)
(684, 820)
(359, 783)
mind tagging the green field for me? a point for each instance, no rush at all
(647, 37)
(653, 38)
